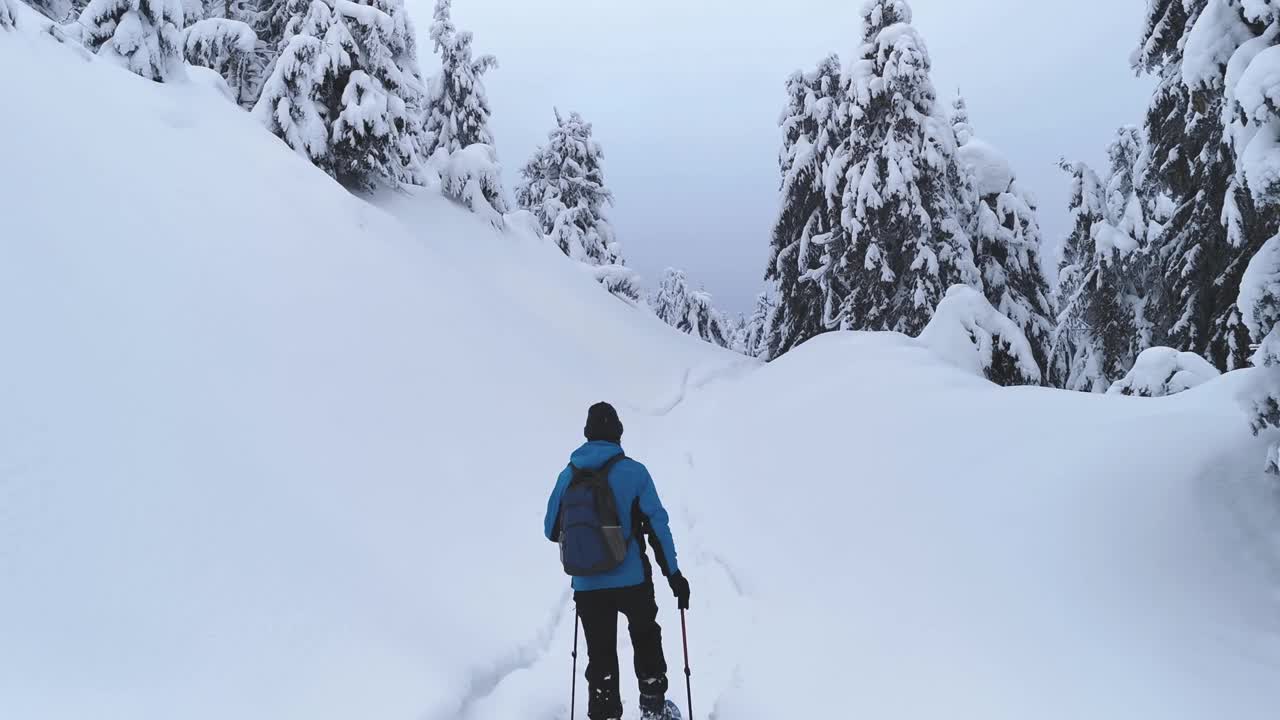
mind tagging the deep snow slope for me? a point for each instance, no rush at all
(268, 451)
(871, 532)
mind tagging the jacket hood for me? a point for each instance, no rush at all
(593, 455)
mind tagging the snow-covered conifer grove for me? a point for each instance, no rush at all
(690, 311)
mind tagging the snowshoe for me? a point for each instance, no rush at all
(668, 712)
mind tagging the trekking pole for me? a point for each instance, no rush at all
(684, 634)
(573, 684)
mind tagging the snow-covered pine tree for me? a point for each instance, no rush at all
(812, 130)
(354, 106)
(473, 178)
(735, 330)
(903, 239)
(960, 121)
(1007, 241)
(1251, 30)
(225, 46)
(273, 19)
(457, 108)
(55, 10)
(755, 330)
(143, 36)
(1075, 349)
(300, 98)
(563, 186)
(1127, 209)
(290, 106)
(688, 310)
(1200, 252)
(192, 12)
(1096, 333)
(377, 134)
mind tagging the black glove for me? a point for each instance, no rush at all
(680, 588)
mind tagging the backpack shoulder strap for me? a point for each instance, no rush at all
(604, 469)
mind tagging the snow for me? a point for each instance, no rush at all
(1161, 371)
(218, 32)
(1253, 92)
(1216, 35)
(367, 15)
(1258, 88)
(992, 172)
(1240, 63)
(1109, 241)
(1259, 301)
(1260, 161)
(286, 456)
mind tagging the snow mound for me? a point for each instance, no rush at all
(1161, 371)
(992, 172)
(970, 334)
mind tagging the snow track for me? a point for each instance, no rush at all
(485, 681)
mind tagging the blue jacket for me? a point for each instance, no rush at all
(640, 510)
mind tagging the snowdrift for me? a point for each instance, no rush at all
(269, 451)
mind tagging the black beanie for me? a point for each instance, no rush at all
(603, 424)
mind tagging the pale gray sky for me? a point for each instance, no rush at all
(684, 96)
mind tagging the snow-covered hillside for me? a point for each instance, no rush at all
(269, 451)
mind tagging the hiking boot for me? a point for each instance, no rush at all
(658, 709)
(603, 703)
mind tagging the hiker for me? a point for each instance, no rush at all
(610, 569)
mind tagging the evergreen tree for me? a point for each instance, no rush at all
(353, 106)
(55, 10)
(1007, 241)
(903, 235)
(688, 310)
(755, 330)
(290, 104)
(277, 21)
(1098, 327)
(1128, 224)
(143, 36)
(811, 132)
(377, 135)
(1200, 252)
(458, 109)
(563, 186)
(1252, 128)
(225, 46)
(473, 178)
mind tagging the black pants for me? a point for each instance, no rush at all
(598, 610)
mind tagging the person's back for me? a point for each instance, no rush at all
(626, 588)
